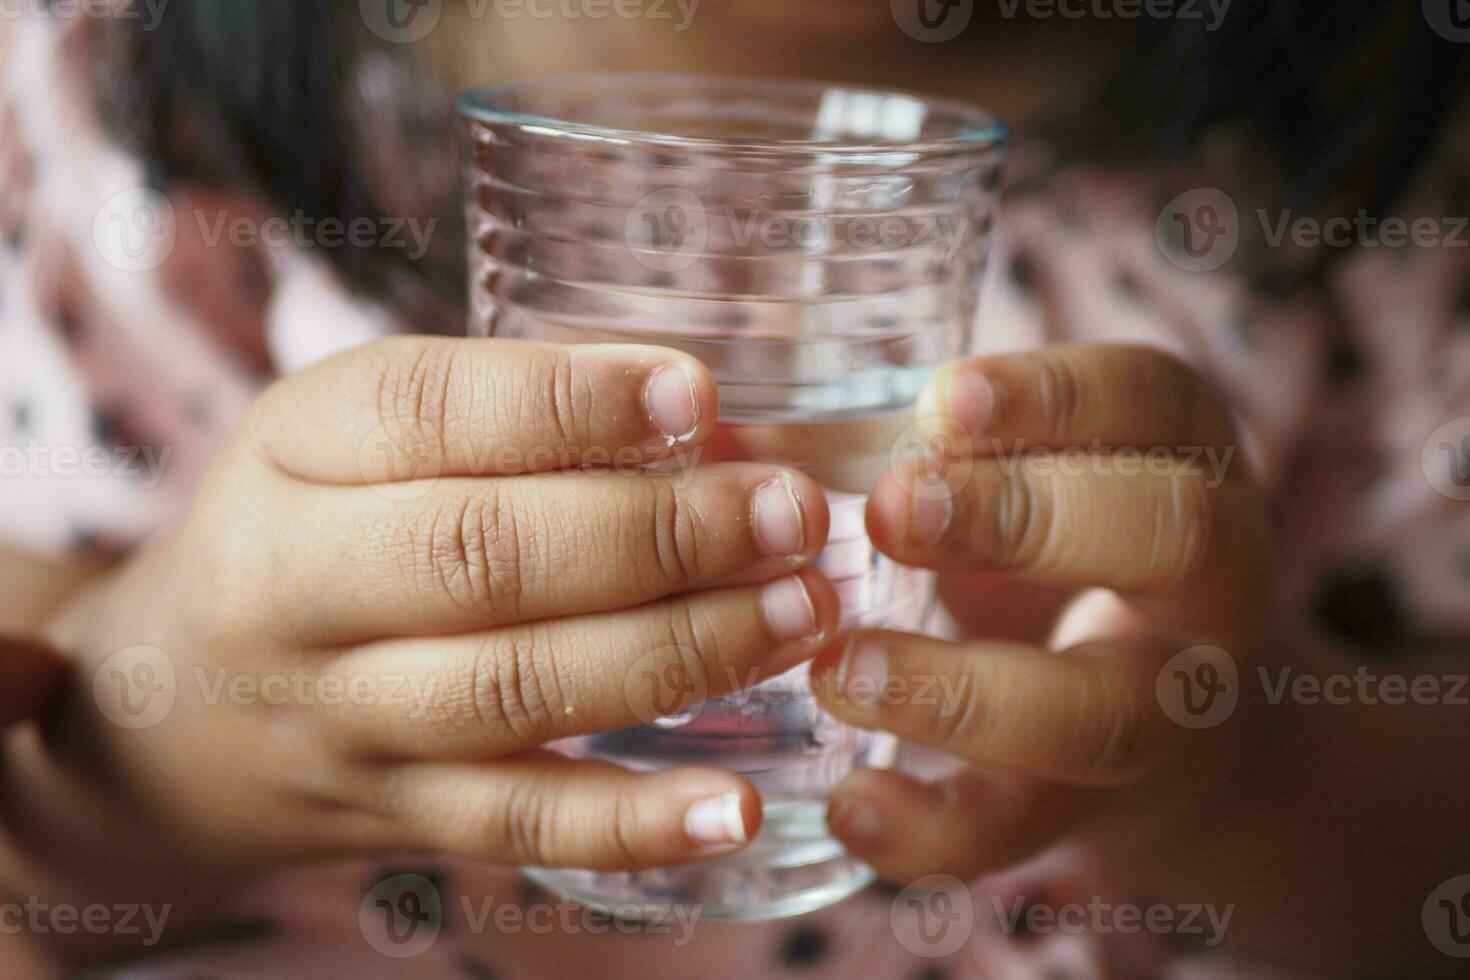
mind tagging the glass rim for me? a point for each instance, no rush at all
(981, 130)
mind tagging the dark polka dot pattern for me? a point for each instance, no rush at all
(804, 947)
(1361, 604)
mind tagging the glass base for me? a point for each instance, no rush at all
(791, 868)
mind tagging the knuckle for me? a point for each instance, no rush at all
(413, 385)
(1111, 737)
(623, 833)
(1062, 392)
(1021, 522)
(514, 694)
(1184, 532)
(673, 535)
(468, 550)
(695, 641)
(526, 824)
(560, 394)
(974, 728)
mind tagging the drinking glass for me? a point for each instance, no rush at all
(821, 249)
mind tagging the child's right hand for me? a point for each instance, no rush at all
(496, 598)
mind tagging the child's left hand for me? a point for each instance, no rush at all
(1128, 480)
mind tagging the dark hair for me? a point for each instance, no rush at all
(266, 95)
(1341, 101)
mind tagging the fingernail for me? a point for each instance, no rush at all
(672, 403)
(857, 822)
(789, 609)
(929, 518)
(716, 821)
(862, 672)
(778, 521)
(966, 396)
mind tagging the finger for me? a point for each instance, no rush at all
(544, 809)
(966, 825)
(1168, 529)
(509, 690)
(474, 554)
(1086, 718)
(1072, 394)
(31, 677)
(421, 407)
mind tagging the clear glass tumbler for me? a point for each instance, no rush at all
(821, 249)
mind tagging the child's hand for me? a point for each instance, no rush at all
(403, 565)
(1158, 510)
